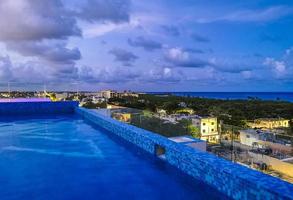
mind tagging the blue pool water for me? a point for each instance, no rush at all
(66, 158)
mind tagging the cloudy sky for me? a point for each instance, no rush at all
(147, 45)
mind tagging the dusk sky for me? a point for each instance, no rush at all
(147, 45)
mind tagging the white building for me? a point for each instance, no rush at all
(251, 137)
(263, 139)
(98, 99)
(107, 94)
(111, 93)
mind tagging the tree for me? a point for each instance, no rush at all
(190, 128)
(91, 105)
(195, 131)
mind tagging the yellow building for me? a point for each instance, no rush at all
(269, 123)
(208, 128)
(185, 110)
(123, 117)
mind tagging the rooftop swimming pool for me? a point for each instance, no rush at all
(57, 150)
(65, 157)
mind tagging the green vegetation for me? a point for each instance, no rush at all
(234, 112)
(160, 126)
(91, 105)
(191, 129)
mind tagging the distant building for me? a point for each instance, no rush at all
(107, 94)
(182, 104)
(98, 99)
(123, 117)
(269, 123)
(127, 94)
(252, 138)
(264, 139)
(190, 141)
(187, 111)
(61, 96)
(174, 118)
(208, 127)
(169, 119)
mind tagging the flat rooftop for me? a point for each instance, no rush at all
(185, 139)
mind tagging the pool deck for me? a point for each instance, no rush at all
(234, 180)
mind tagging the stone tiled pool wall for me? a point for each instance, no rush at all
(232, 179)
(30, 108)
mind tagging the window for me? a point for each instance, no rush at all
(213, 130)
(213, 123)
(203, 130)
(203, 124)
(247, 136)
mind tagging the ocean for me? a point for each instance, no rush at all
(272, 96)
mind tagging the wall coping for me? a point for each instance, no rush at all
(37, 108)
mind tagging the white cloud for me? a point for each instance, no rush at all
(179, 57)
(92, 30)
(247, 74)
(35, 20)
(56, 53)
(163, 74)
(279, 67)
(96, 30)
(38, 31)
(260, 15)
(116, 11)
(5, 68)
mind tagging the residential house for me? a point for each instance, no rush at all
(208, 127)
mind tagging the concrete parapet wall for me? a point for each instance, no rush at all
(31, 108)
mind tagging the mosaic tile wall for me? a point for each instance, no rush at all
(30, 108)
(232, 179)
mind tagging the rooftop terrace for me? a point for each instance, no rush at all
(233, 180)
